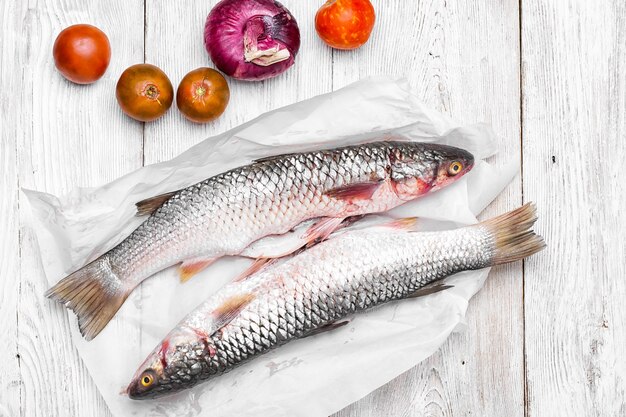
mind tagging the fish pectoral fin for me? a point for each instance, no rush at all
(230, 308)
(149, 205)
(317, 232)
(258, 265)
(430, 289)
(322, 229)
(360, 191)
(405, 223)
(277, 246)
(191, 267)
(327, 327)
(303, 235)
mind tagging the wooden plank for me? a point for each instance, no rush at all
(70, 136)
(463, 59)
(10, 376)
(574, 71)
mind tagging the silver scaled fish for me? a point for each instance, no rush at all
(225, 213)
(313, 291)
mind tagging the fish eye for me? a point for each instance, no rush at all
(147, 380)
(454, 168)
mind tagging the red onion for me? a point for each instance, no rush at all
(251, 39)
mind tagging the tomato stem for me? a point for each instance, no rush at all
(151, 91)
(200, 90)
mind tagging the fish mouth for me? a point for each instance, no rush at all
(468, 167)
(124, 391)
(470, 162)
(130, 391)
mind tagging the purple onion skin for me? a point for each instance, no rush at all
(266, 24)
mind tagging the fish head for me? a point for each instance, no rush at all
(175, 364)
(417, 169)
(453, 164)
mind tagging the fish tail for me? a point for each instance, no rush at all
(513, 238)
(94, 293)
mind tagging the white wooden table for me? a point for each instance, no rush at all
(544, 338)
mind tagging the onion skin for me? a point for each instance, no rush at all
(251, 39)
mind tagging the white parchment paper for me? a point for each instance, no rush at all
(312, 377)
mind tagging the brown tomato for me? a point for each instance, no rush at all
(144, 92)
(202, 95)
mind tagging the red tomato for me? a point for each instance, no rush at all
(144, 92)
(202, 95)
(82, 53)
(345, 24)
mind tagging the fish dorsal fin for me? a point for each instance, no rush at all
(149, 205)
(274, 157)
(430, 289)
(230, 308)
(326, 328)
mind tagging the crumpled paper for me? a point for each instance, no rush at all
(315, 376)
